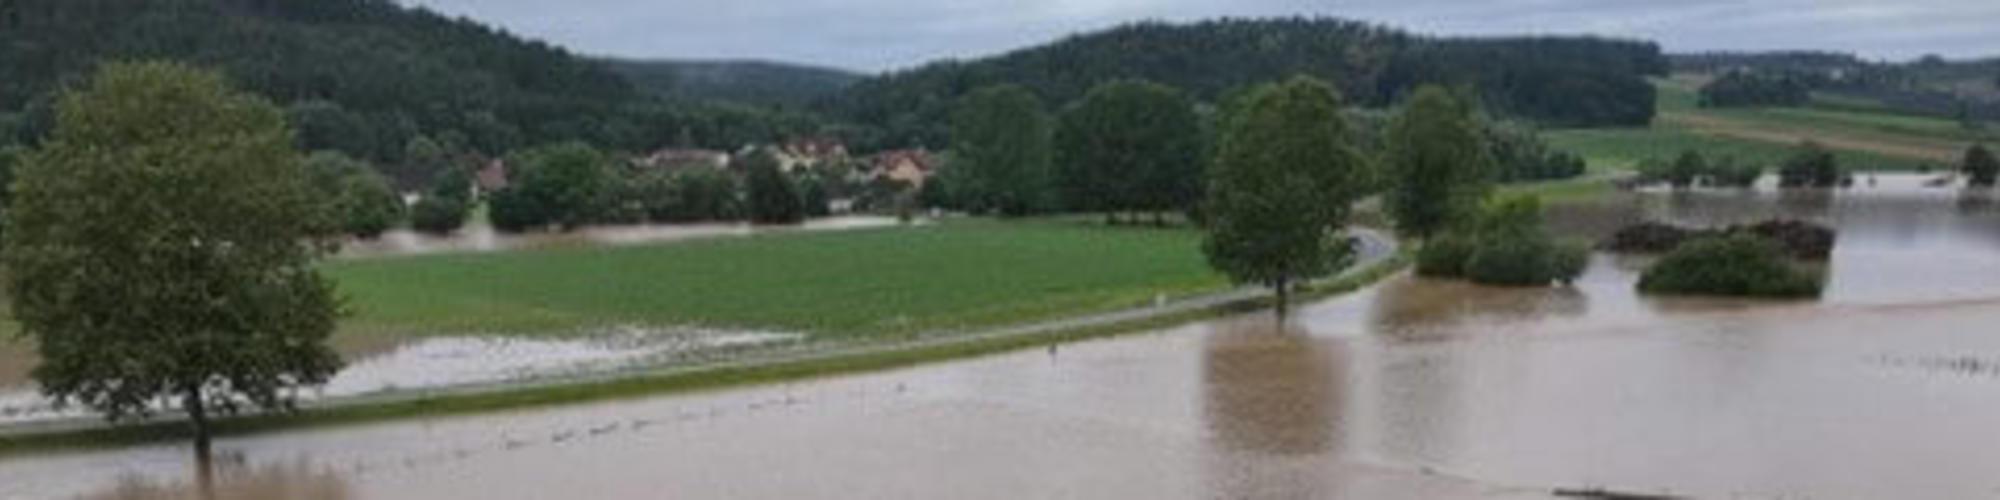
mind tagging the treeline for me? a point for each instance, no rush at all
(1133, 148)
(1738, 89)
(758, 83)
(1552, 81)
(364, 77)
(1930, 85)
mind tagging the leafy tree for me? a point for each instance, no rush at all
(1737, 265)
(1730, 172)
(360, 199)
(1130, 146)
(439, 215)
(562, 185)
(1284, 179)
(1980, 167)
(161, 248)
(704, 195)
(1812, 166)
(774, 198)
(424, 160)
(1001, 143)
(1437, 164)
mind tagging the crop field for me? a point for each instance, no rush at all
(959, 274)
(1862, 134)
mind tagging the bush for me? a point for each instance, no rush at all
(1737, 266)
(1981, 169)
(1444, 257)
(773, 196)
(1512, 261)
(439, 215)
(1813, 166)
(1508, 247)
(1728, 172)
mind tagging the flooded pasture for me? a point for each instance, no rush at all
(1886, 388)
(476, 238)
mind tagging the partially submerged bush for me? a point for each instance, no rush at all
(1507, 246)
(1800, 239)
(1737, 266)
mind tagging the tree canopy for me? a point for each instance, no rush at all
(1438, 165)
(1749, 89)
(565, 185)
(773, 197)
(1284, 178)
(1002, 146)
(1812, 166)
(161, 248)
(1981, 168)
(1130, 146)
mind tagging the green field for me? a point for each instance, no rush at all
(952, 275)
(1862, 134)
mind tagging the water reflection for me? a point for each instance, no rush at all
(1273, 389)
(232, 477)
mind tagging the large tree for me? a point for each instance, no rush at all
(1284, 178)
(1130, 146)
(564, 185)
(1438, 164)
(161, 250)
(362, 200)
(1981, 169)
(1001, 142)
(772, 195)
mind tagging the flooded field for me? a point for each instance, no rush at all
(483, 238)
(1887, 388)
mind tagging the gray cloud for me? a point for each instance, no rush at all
(887, 34)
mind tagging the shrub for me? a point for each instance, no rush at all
(1728, 172)
(1569, 260)
(1444, 257)
(439, 215)
(1813, 166)
(1981, 169)
(1512, 261)
(1737, 266)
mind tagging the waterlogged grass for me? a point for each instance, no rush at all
(955, 275)
(1616, 149)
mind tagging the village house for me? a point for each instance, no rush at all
(492, 177)
(912, 167)
(806, 153)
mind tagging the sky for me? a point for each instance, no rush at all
(878, 35)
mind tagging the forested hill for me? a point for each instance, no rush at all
(1557, 81)
(749, 82)
(362, 76)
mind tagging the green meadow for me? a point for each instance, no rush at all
(952, 275)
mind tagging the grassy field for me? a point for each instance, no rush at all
(960, 274)
(1863, 135)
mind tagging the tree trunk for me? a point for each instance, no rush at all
(197, 412)
(1284, 296)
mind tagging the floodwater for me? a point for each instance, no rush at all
(483, 238)
(1889, 387)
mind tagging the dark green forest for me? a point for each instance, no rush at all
(364, 77)
(1548, 80)
(760, 83)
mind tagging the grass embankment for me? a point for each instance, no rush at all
(948, 276)
(715, 377)
(1862, 136)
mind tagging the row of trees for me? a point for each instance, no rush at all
(1136, 147)
(570, 185)
(1738, 89)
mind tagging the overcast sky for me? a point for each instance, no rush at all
(874, 35)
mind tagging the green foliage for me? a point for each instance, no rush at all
(773, 197)
(1437, 164)
(1980, 168)
(1284, 179)
(360, 199)
(439, 215)
(1551, 80)
(1445, 257)
(1130, 146)
(748, 82)
(1506, 245)
(1002, 148)
(1748, 89)
(1811, 166)
(371, 74)
(1738, 266)
(162, 245)
(563, 185)
(1727, 171)
(697, 195)
(10, 160)
(424, 160)
(1520, 154)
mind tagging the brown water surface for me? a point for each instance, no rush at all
(1887, 388)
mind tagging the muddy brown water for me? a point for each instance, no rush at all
(1887, 388)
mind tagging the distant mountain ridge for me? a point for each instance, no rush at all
(756, 82)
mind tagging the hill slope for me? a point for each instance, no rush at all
(1563, 81)
(748, 82)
